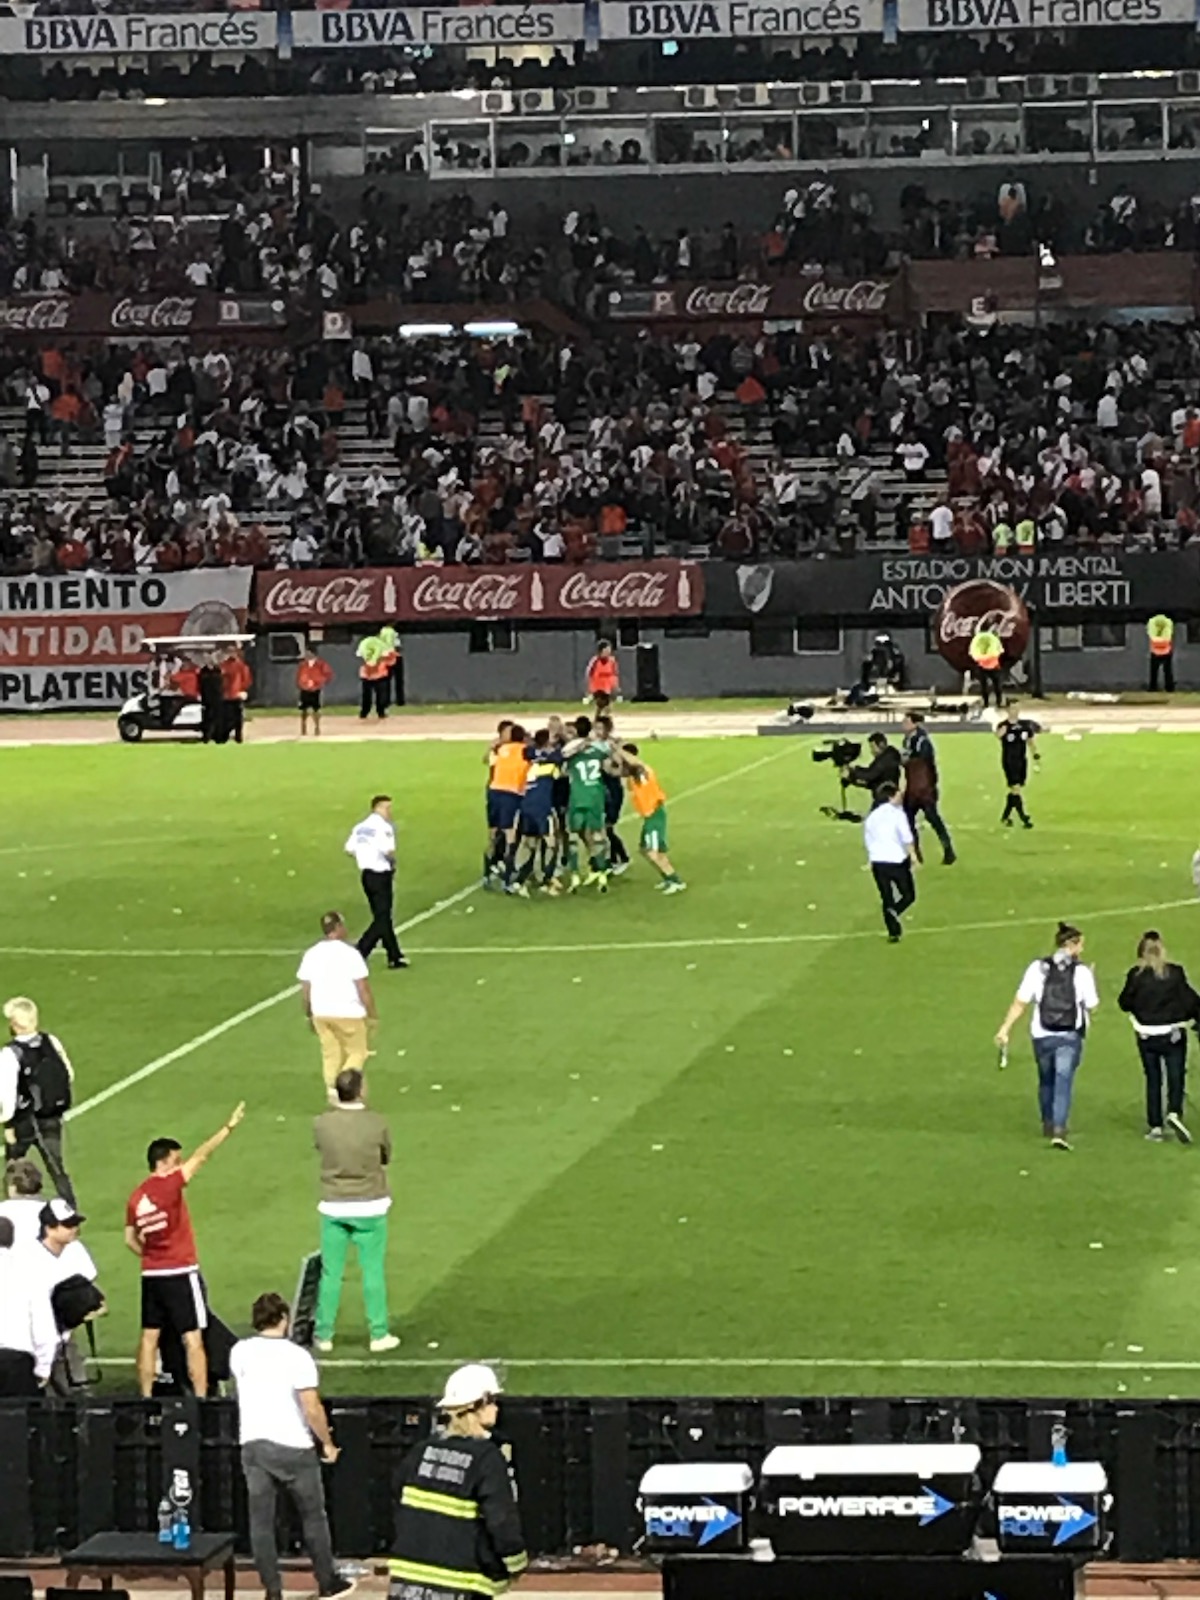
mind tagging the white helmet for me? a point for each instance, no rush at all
(467, 1386)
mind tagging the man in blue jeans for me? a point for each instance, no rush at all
(1062, 992)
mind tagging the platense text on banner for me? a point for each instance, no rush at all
(78, 642)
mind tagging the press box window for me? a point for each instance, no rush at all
(486, 637)
(285, 646)
(774, 639)
(818, 639)
(1103, 635)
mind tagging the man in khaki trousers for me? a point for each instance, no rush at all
(337, 1000)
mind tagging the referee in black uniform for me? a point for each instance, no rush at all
(1016, 736)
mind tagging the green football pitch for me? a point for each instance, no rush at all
(730, 1141)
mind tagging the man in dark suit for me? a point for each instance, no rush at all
(921, 785)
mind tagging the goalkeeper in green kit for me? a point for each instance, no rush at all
(584, 758)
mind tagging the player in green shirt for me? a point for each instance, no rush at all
(584, 758)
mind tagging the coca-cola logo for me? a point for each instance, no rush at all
(344, 596)
(484, 594)
(968, 609)
(172, 311)
(741, 300)
(34, 316)
(621, 596)
(859, 299)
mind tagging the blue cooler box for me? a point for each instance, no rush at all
(870, 1499)
(1042, 1507)
(690, 1506)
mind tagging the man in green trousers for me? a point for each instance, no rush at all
(355, 1147)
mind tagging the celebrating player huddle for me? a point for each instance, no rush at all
(553, 802)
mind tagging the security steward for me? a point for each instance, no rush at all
(884, 766)
(1160, 633)
(458, 1532)
(374, 671)
(987, 660)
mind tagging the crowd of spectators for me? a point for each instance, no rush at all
(564, 449)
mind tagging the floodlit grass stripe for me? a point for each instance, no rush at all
(250, 1012)
(235, 1021)
(616, 945)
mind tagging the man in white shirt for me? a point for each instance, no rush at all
(372, 843)
(280, 1418)
(338, 1002)
(23, 1202)
(892, 852)
(28, 1332)
(941, 525)
(1062, 992)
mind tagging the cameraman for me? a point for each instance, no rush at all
(884, 766)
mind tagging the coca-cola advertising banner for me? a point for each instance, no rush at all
(72, 643)
(465, 594)
(147, 316)
(1065, 582)
(782, 300)
(968, 609)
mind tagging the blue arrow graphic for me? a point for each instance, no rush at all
(1077, 1525)
(940, 1505)
(719, 1525)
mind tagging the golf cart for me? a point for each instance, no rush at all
(161, 707)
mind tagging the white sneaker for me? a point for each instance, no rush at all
(674, 888)
(380, 1347)
(1175, 1123)
(324, 1346)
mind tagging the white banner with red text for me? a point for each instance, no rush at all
(78, 642)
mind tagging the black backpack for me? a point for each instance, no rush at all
(1058, 1010)
(43, 1082)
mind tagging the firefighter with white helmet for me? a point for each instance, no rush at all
(458, 1532)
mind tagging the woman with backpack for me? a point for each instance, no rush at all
(1161, 1003)
(1062, 992)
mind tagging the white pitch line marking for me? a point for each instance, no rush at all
(736, 1363)
(201, 1039)
(633, 946)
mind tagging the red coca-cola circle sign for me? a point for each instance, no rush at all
(967, 609)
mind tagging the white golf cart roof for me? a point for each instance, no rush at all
(192, 641)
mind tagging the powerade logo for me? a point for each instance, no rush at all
(681, 1522)
(1066, 1518)
(925, 1507)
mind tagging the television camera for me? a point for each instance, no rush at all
(843, 753)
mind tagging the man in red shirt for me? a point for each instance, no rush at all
(159, 1230)
(236, 679)
(312, 674)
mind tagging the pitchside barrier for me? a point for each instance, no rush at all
(68, 1471)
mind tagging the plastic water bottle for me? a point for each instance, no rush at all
(181, 1529)
(1058, 1445)
(166, 1520)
